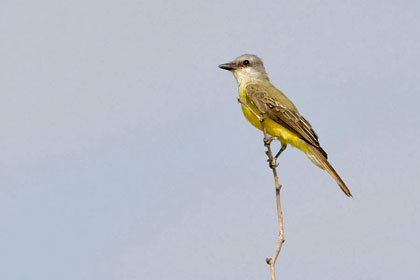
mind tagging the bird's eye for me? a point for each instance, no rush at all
(246, 62)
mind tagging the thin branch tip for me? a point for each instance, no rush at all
(273, 165)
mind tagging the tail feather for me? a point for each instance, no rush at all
(320, 156)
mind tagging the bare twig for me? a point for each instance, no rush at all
(252, 111)
(273, 165)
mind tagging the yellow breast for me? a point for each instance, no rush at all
(274, 129)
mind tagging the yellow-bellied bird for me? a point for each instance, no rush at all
(281, 119)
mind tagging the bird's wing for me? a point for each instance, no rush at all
(283, 115)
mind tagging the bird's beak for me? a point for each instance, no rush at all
(228, 66)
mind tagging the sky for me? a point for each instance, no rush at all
(125, 154)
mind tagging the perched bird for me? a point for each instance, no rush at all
(281, 119)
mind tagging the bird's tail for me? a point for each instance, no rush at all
(318, 156)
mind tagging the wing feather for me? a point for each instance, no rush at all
(287, 117)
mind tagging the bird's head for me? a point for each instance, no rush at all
(246, 68)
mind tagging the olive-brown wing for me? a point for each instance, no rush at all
(281, 114)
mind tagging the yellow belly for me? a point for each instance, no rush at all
(274, 129)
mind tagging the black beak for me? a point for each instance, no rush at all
(228, 66)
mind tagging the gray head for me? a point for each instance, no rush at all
(246, 67)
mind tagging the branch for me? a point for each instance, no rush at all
(252, 111)
(273, 165)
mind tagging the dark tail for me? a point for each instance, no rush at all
(320, 155)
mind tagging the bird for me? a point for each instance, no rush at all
(266, 107)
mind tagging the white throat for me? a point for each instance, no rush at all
(246, 75)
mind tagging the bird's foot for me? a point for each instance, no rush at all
(273, 163)
(268, 140)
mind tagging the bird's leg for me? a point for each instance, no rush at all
(283, 147)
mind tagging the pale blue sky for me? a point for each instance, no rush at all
(125, 155)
